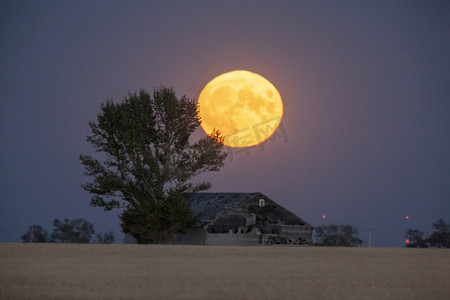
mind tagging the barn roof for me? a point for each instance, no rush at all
(207, 206)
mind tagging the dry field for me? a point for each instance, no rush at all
(71, 271)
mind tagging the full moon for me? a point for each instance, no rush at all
(244, 106)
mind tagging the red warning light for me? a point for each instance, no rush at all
(407, 217)
(323, 216)
(407, 241)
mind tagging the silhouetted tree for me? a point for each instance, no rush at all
(72, 231)
(441, 235)
(149, 160)
(415, 238)
(35, 234)
(105, 238)
(334, 235)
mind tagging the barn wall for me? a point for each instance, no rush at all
(224, 239)
(193, 236)
(295, 233)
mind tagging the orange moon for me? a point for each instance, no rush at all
(244, 106)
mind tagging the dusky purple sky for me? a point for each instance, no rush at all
(365, 86)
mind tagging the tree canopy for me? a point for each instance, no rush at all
(69, 231)
(35, 234)
(334, 235)
(72, 231)
(440, 238)
(415, 239)
(148, 161)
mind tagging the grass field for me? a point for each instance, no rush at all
(73, 271)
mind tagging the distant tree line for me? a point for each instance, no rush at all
(440, 238)
(336, 235)
(69, 231)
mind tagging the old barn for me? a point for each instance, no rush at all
(243, 219)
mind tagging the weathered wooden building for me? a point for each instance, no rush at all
(243, 219)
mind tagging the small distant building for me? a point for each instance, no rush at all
(242, 219)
